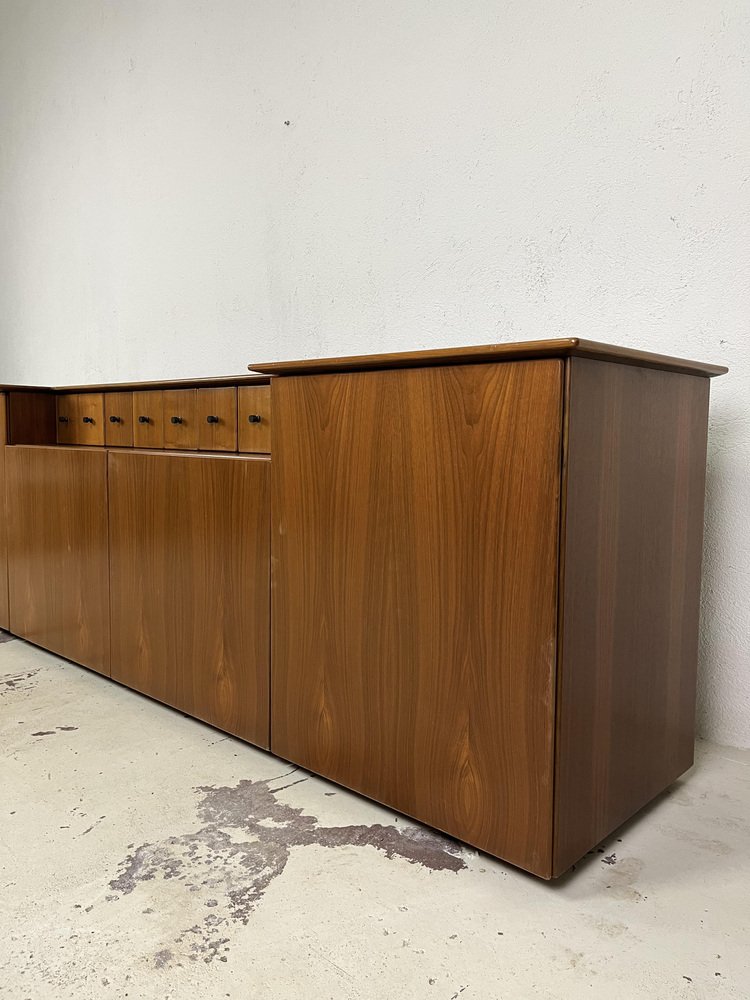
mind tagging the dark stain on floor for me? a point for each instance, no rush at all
(17, 682)
(53, 732)
(6, 637)
(237, 870)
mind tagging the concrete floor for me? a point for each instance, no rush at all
(144, 855)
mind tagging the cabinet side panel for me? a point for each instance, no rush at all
(32, 418)
(57, 550)
(630, 599)
(189, 561)
(415, 521)
(4, 614)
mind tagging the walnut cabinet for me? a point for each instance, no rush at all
(486, 585)
(462, 582)
(147, 565)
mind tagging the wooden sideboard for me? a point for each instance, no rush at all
(137, 539)
(485, 580)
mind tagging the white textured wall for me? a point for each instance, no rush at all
(187, 186)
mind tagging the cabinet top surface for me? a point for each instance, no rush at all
(186, 383)
(260, 374)
(560, 348)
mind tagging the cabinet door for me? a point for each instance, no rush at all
(57, 550)
(415, 540)
(189, 557)
(4, 618)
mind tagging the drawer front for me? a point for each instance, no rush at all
(118, 419)
(148, 419)
(217, 419)
(80, 418)
(254, 418)
(180, 423)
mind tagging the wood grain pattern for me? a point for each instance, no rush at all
(633, 536)
(148, 419)
(415, 524)
(80, 418)
(563, 347)
(4, 612)
(222, 405)
(189, 550)
(118, 419)
(32, 418)
(57, 550)
(181, 405)
(254, 435)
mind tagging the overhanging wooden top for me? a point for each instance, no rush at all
(561, 348)
(25, 388)
(186, 383)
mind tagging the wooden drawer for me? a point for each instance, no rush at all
(217, 419)
(180, 423)
(254, 418)
(80, 418)
(148, 418)
(118, 419)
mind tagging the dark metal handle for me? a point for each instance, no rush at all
(254, 418)
(115, 420)
(144, 420)
(176, 420)
(88, 420)
(64, 420)
(212, 420)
